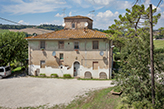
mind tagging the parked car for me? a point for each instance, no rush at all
(5, 71)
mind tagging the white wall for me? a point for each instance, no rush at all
(60, 71)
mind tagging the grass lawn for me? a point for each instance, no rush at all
(3, 30)
(159, 43)
(99, 99)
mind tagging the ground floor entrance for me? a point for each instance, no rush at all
(76, 68)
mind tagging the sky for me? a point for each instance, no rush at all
(103, 12)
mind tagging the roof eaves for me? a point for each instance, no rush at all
(48, 39)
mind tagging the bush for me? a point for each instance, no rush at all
(117, 89)
(159, 50)
(117, 57)
(54, 75)
(159, 37)
(115, 49)
(144, 104)
(43, 75)
(67, 76)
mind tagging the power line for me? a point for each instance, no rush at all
(159, 3)
(10, 21)
(16, 23)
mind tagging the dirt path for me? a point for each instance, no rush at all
(28, 91)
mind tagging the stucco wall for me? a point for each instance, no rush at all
(85, 56)
(79, 23)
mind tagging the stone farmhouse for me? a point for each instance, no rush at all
(76, 50)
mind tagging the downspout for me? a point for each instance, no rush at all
(30, 58)
(110, 59)
(85, 53)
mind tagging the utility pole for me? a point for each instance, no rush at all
(151, 55)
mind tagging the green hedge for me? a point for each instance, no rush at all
(67, 76)
(43, 75)
(54, 75)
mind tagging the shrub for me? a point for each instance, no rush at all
(54, 75)
(117, 57)
(115, 49)
(117, 89)
(43, 75)
(159, 50)
(67, 76)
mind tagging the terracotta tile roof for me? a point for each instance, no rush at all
(71, 34)
(78, 17)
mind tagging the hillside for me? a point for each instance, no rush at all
(44, 26)
(32, 30)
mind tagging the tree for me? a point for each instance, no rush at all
(161, 31)
(134, 75)
(128, 25)
(13, 47)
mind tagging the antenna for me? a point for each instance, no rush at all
(64, 12)
(92, 13)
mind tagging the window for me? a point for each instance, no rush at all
(76, 45)
(61, 44)
(1, 70)
(7, 68)
(42, 64)
(73, 25)
(95, 45)
(95, 65)
(61, 56)
(42, 44)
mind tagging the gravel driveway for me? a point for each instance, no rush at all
(28, 91)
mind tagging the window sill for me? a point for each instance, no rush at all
(61, 60)
(76, 49)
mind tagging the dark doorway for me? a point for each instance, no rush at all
(76, 68)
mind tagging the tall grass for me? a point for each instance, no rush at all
(159, 44)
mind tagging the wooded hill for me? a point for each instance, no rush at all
(44, 26)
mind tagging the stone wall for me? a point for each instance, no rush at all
(79, 23)
(85, 56)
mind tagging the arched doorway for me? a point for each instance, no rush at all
(76, 68)
(88, 75)
(103, 75)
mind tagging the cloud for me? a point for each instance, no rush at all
(105, 3)
(33, 6)
(70, 13)
(106, 14)
(98, 4)
(162, 5)
(59, 15)
(77, 1)
(162, 15)
(160, 21)
(22, 22)
(124, 4)
(147, 2)
(104, 19)
(55, 22)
